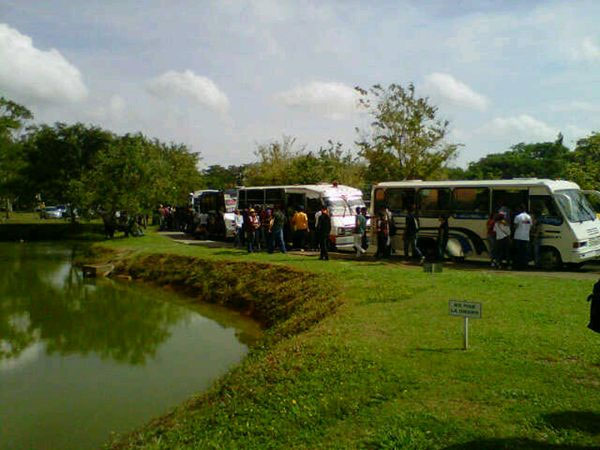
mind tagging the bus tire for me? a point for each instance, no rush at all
(550, 259)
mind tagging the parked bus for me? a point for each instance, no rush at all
(570, 228)
(340, 200)
(213, 212)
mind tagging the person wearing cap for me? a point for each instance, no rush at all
(323, 232)
(252, 226)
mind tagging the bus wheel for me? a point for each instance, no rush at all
(550, 259)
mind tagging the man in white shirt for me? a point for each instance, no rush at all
(522, 224)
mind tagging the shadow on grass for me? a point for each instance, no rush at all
(512, 444)
(585, 421)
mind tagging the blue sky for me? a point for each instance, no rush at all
(222, 76)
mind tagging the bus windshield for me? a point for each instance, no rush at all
(574, 205)
(337, 207)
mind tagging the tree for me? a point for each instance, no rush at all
(280, 163)
(274, 162)
(219, 177)
(134, 174)
(406, 140)
(58, 156)
(584, 164)
(12, 120)
(542, 160)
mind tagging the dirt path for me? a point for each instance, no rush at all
(588, 272)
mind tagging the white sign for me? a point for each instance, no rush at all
(470, 310)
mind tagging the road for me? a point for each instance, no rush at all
(590, 271)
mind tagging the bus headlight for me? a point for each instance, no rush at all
(341, 231)
(579, 244)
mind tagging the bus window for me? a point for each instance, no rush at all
(378, 200)
(543, 207)
(255, 197)
(241, 200)
(274, 196)
(433, 202)
(471, 203)
(399, 199)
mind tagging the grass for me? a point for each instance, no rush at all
(385, 369)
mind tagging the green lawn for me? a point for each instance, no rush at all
(386, 369)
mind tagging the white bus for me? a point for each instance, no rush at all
(570, 228)
(341, 201)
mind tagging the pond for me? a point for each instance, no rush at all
(81, 358)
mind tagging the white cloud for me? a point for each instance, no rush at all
(187, 84)
(522, 127)
(449, 88)
(330, 99)
(586, 50)
(28, 73)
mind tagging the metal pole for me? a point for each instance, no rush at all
(466, 333)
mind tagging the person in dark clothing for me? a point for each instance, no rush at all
(323, 231)
(442, 238)
(383, 235)
(411, 235)
(277, 227)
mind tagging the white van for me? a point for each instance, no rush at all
(341, 201)
(570, 227)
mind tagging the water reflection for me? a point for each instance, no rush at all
(44, 299)
(79, 359)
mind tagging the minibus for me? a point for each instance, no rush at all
(570, 227)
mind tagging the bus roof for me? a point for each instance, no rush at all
(327, 190)
(553, 185)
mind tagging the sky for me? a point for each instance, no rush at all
(225, 76)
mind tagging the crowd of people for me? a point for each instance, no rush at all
(512, 238)
(271, 229)
(172, 218)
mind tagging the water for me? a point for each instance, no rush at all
(82, 358)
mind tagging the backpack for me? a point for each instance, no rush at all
(594, 298)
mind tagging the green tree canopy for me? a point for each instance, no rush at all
(13, 118)
(584, 164)
(279, 162)
(541, 160)
(57, 158)
(135, 174)
(406, 140)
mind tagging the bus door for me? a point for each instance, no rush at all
(398, 200)
(511, 199)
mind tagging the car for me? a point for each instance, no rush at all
(51, 212)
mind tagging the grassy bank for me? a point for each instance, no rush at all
(385, 368)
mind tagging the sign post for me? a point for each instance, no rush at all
(465, 310)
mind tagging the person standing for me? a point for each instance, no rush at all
(300, 224)
(502, 230)
(360, 227)
(323, 232)
(536, 236)
(442, 237)
(383, 235)
(238, 220)
(411, 235)
(253, 224)
(522, 229)
(277, 229)
(491, 238)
